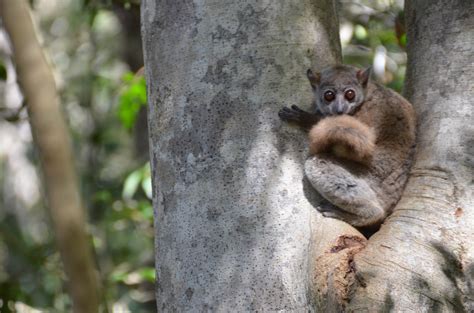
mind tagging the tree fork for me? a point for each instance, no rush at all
(422, 257)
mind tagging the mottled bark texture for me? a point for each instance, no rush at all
(54, 148)
(233, 225)
(422, 258)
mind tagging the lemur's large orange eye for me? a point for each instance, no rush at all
(350, 94)
(329, 96)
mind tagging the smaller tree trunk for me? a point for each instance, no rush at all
(54, 147)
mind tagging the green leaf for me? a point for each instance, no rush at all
(146, 210)
(403, 40)
(119, 276)
(148, 273)
(360, 32)
(387, 37)
(132, 98)
(131, 184)
(103, 196)
(146, 186)
(146, 182)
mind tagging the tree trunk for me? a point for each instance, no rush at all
(421, 260)
(54, 147)
(233, 226)
(235, 223)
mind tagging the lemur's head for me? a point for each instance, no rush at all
(339, 89)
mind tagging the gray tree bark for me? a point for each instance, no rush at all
(233, 226)
(236, 227)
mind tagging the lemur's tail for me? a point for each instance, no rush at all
(343, 136)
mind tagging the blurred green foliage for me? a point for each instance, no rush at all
(102, 100)
(373, 34)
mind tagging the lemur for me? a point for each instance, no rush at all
(362, 140)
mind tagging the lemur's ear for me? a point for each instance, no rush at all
(314, 78)
(364, 75)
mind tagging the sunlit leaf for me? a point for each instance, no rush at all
(132, 98)
(131, 184)
(148, 274)
(147, 188)
(146, 182)
(360, 32)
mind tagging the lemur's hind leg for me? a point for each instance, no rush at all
(357, 203)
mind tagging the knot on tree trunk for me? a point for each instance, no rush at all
(336, 276)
